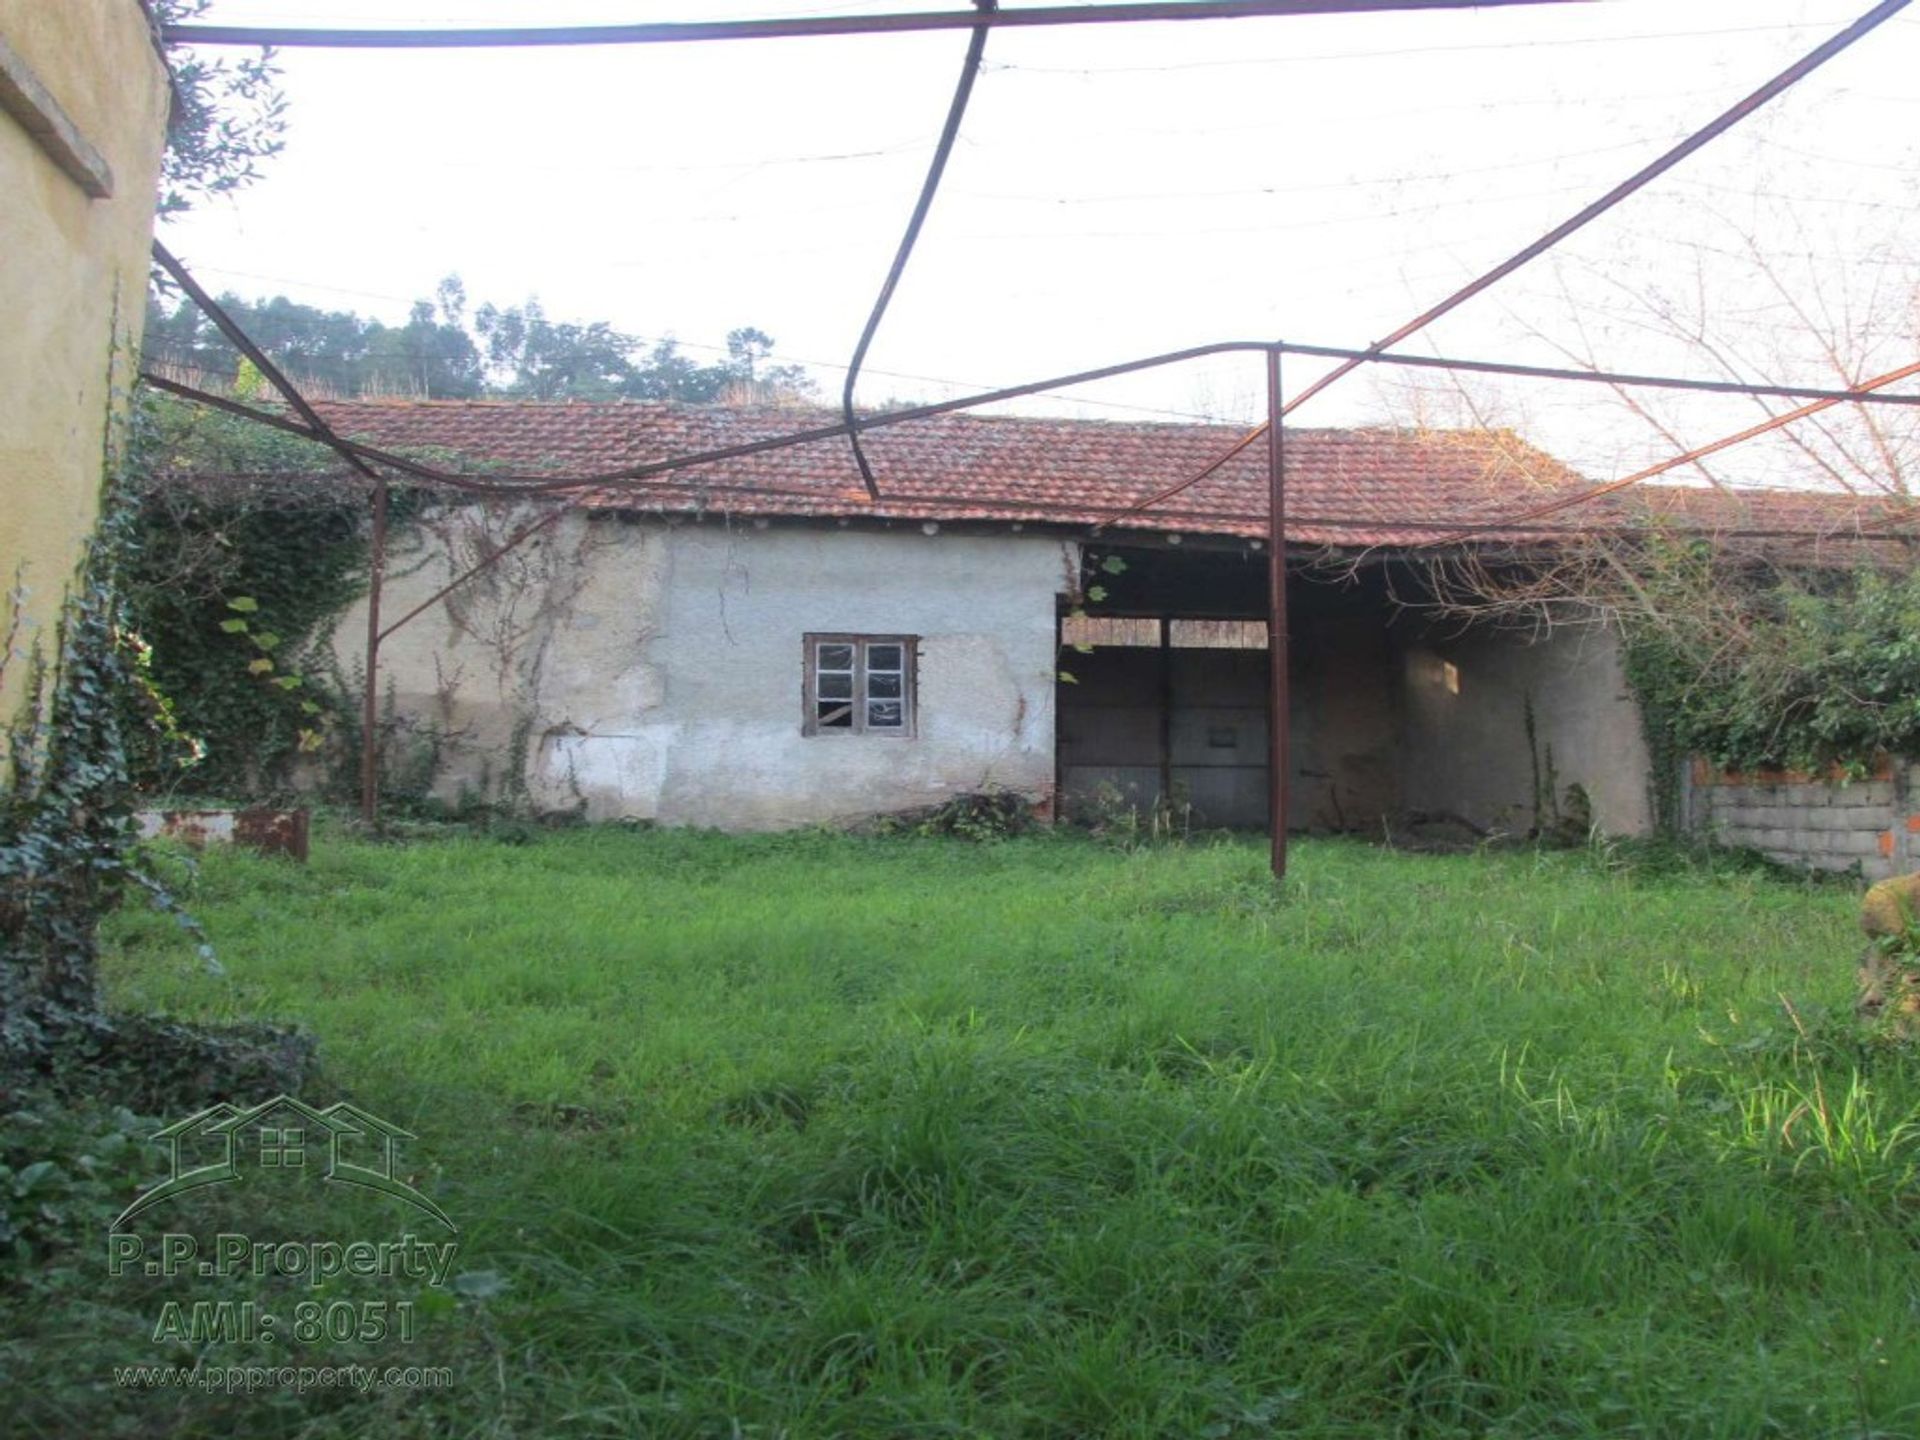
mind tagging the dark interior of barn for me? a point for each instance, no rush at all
(1394, 712)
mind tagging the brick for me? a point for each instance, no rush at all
(1871, 792)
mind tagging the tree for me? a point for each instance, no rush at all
(333, 352)
(228, 117)
(541, 360)
(747, 351)
(442, 354)
(427, 356)
(1759, 628)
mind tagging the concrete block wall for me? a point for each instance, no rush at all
(1809, 821)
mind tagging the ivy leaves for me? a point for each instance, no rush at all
(1090, 595)
(308, 739)
(236, 588)
(1802, 672)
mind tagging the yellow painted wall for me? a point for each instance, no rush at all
(73, 281)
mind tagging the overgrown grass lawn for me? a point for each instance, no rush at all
(811, 1135)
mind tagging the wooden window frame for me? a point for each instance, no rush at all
(910, 684)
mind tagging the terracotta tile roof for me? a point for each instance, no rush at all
(1345, 487)
(1806, 527)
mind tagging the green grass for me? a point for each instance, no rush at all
(810, 1135)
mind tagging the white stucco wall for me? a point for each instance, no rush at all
(1467, 753)
(655, 672)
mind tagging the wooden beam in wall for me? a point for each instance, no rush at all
(32, 104)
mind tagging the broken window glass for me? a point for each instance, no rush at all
(859, 684)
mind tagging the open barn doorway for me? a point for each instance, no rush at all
(1167, 700)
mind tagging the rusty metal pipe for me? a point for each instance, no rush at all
(1642, 177)
(929, 187)
(723, 489)
(509, 484)
(512, 542)
(798, 27)
(1699, 452)
(370, 694)
(242, 342)
(1279, 695)
(1635, 182)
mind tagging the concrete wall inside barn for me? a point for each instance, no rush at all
(1465, 748)
(654, 671)
(1346, 758)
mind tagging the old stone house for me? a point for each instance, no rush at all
(756, 644)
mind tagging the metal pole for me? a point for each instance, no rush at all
(370, 699)
(1166, 712)
(1279, 699)
(801, 25)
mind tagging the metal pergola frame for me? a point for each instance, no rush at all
(364, 458)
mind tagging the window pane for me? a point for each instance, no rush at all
(883, 657)
(882, 686)
(884, 715)
(835, 685)
(836, 657)
(834, 715)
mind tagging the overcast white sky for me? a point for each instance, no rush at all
(1118, 190)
